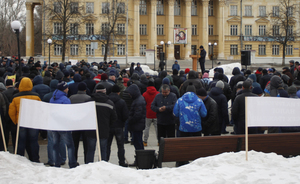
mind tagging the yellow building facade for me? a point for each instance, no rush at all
(204, 22)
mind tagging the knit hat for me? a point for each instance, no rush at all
(150, 83)
(62, 86)
(201, 92)
(259, 69)
(147, 74)
(66, 73)
(191, 88)
(115, 89)
(165, 81)
(205, 75)
(175, 72)
(292, 90)
(112, 72)
(100, 71)
(104, 76)
(257, 90)
(247, 84)
(292, 61)
(270, 70)
(9, 82)
(100, 88)
(81, 86)
(37, 65)
(187, 70)
(220, 84)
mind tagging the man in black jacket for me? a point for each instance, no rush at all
(238, 109)
(210, 124)
(116, 128)
(202, 59)
(264, 79)
(163, 105)
(106, 115)
(193, 78)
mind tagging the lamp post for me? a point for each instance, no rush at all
(212, 53)
(16, 26)
(49, 42)
(154, 55)
(166, 45)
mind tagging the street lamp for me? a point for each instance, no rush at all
(212, 54)
(16, 26)
(49, 42)
(166, 45)
(154, 55)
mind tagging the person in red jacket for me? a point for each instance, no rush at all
(149, 96)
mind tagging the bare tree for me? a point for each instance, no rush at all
(282, 24)
(64, 20)
(113, 26)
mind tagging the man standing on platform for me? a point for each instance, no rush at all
(202, 59)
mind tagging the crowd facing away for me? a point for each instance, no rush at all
(183, 104)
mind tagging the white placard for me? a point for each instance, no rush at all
(60, 117)
(272, 111)
(73, 62)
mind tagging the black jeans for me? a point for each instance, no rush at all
(202, 65)
(76, 138)
(165, 131)
(118, 133)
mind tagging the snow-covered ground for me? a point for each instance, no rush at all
(226, 168)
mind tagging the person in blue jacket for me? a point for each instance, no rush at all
(176, 66)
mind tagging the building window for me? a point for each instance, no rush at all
(275, 49)
(142, 50)
(290, 30)
(105, 8)
(262, 30)
(143, 7)
(143, 29)
(289, 50)
(248, 47)
(194, 50)
(121, 8)
(74, 7)
(89, 50)
(121, 28)
(289, 11)
(57, 50)
(121, 49)
(89, 8)
(233, 49)
(233, 10)
(275, 11)
(210, 8)
(177, 25)
(57, 7)
(89, 28)
(248, 10)
(248, 30)
(160, 29)
(57, 28)
(73, 50)
(262, 50)
(160, 7)
(194, 7)
(194, 29)
(103, 49)
(177, 7)
(73, 29)
(262, 11)
(275, 30)
(210, 29)
(104, 28)
(233, 30)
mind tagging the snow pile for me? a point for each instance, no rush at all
(223, 168)
(146, 68)
(227, 69)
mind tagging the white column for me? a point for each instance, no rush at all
(205, 26)
(153, 23)
(29, 30)
(188, 25)
(170, 31)
(221, 36)
(136, 35)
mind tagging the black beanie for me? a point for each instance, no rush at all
(150, 83)
(115, 89)
(81, 86)
(9, 82)
(175, 72)
(191, 88)
(201, 92)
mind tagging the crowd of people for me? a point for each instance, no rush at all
(183, 104)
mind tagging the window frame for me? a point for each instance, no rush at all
(248, 10)
(105, 7)
(262, 30)
(262, 50)
(143, 7)
(88, 50)
(143, 49)
(74, 50)
(194, 29)
(120, 49)
(160, 7)
(275, 50)
(160, 29)
(234, 50)
(248, 30)
(89, 29)
(233, 30)
(89, 7)
(262, 11)
(233, 10)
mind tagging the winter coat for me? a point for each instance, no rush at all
(53, 87)
(25, 88)
(106, 113)
(275, 83)
(73, 88)
(138, 70)
(108, 86)
(80, 97)
(121, 109)
(158, 80)
(97, 79)
(288, 73)
(206, 82)
(39, 87)
(90, 84)
(203, 55)
(218, 96)
(166, 117)
(143, 84)
(149, 96)
(238, 112)
(176, 66)
(210, 124)
(264, 80)
(9, 93)
(235, 72)
(255, 83)
(193, 78)
(137, 112)
(178, 80)
(60, 97)
(190, 109)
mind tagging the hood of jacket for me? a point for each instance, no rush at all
(135, 76)
(53, 85)
(25, 84)
(276, 82)
(2, 71)
(216, 76)
(189, 97)
(100, 97)
(37, 80)
(57, 94)
(170, 79)
(61, 66)
(163, 74)
(77, 78)
(114, 97)
(216, 91)
(193, 74)
(236, 71)
(134, 91)
(144, 79)
(253, 77)
(151, 90)
(59, 75)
